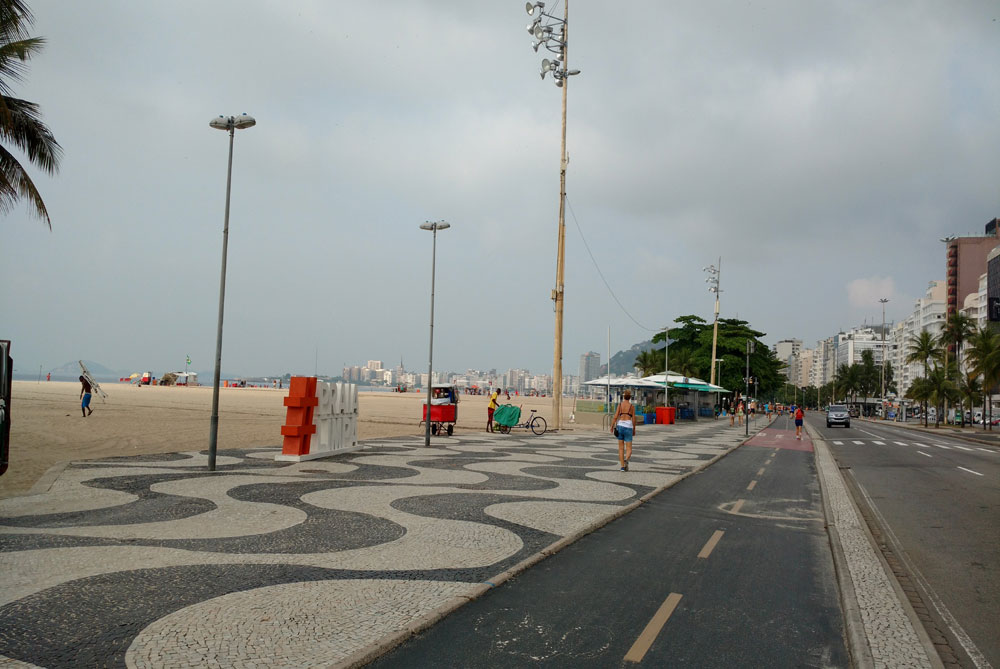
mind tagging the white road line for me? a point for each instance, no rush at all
(839, 443)
(947, 448)
(901, 443)
(920, 445)
(927, 454)
(985, 449)
(970, 471)
(961, 447)
(860, 443)
(879, 443)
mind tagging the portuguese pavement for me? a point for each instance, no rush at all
(153, 561)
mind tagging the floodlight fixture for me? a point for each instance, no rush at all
(538, 32)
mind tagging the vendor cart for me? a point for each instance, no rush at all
(443, 409)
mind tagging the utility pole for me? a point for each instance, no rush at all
(882, 398)
(746, 400)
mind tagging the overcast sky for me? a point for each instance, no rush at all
(821, 149)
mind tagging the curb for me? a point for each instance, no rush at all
(858, 641)
(391, 641)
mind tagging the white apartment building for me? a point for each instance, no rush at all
(804, 367)
(928, 315)
(853, 343)
(787, 350)
(822, 363)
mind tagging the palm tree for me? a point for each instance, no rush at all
(922, 348)
(984, 355)
(942, 388)
(920, 391)
(21, 126)
(971, 390)
(957, 328)
(648, 363)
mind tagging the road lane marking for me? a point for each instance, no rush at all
(760, 471)
(985, 449)
(920, 445)
(839, 443)
(753, 484)
(710, 545)
(900, 443)
(860, 443)
(964, 448)
(926, 454)
(879, 443)
(947, 448)
(736, 507)
(970, 471)
(648, 636)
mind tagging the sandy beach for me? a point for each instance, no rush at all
(48, 427)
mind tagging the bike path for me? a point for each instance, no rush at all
(731, 567)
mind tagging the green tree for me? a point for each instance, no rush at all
(922, 348)
(869, 377)
(942, 388)
(648, 363)
(983, 353)
(21, 126)
(971, 390)
(920, 391)
(957, 329)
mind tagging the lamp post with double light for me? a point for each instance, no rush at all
(433, 227)
(883, 301)
(230, 124)
(553, 33)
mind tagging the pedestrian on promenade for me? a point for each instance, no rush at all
(799, 415)
(490, 409)
(85, 391)
(740, 410)
(623, 426)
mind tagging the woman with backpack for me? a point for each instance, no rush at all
(623, 427)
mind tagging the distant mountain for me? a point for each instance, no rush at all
(72, 368)
(623, 362)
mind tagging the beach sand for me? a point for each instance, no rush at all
(48, 428)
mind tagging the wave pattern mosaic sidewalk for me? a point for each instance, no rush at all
(154, 561)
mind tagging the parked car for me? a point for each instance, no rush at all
(837, 414)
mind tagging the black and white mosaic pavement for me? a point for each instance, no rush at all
(152, 560)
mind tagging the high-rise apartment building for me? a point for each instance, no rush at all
(590, 366)
(965, 261)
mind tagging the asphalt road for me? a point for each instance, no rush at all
(937, 500)
(730, 567)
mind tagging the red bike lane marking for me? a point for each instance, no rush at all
(784, 439)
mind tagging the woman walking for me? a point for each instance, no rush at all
(623, 426)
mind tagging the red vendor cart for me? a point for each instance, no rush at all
(444, 409)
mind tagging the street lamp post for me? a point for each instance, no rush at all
(230, 124)
(713, 281)
(883, 301)
(554, 36)
(751, 346)
(433, 227)
(666, 366)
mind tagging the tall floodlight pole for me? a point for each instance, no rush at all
(666, 364)
(554, 36)
(230, 124)
(751, 346)
(883, 301)
(713, 287)
(433, 227)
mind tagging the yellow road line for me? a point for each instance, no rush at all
(736, 507)
(710, 546)
(648, 636)
(753, 484)
(760, 472)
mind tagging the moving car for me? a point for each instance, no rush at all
(837, 414)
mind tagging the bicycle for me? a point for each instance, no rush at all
(534, 423)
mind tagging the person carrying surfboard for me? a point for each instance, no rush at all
(85, 394)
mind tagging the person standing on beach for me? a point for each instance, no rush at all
(490, 409)
(624, 422)
(85, 396)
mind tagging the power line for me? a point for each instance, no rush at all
(601, 274)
